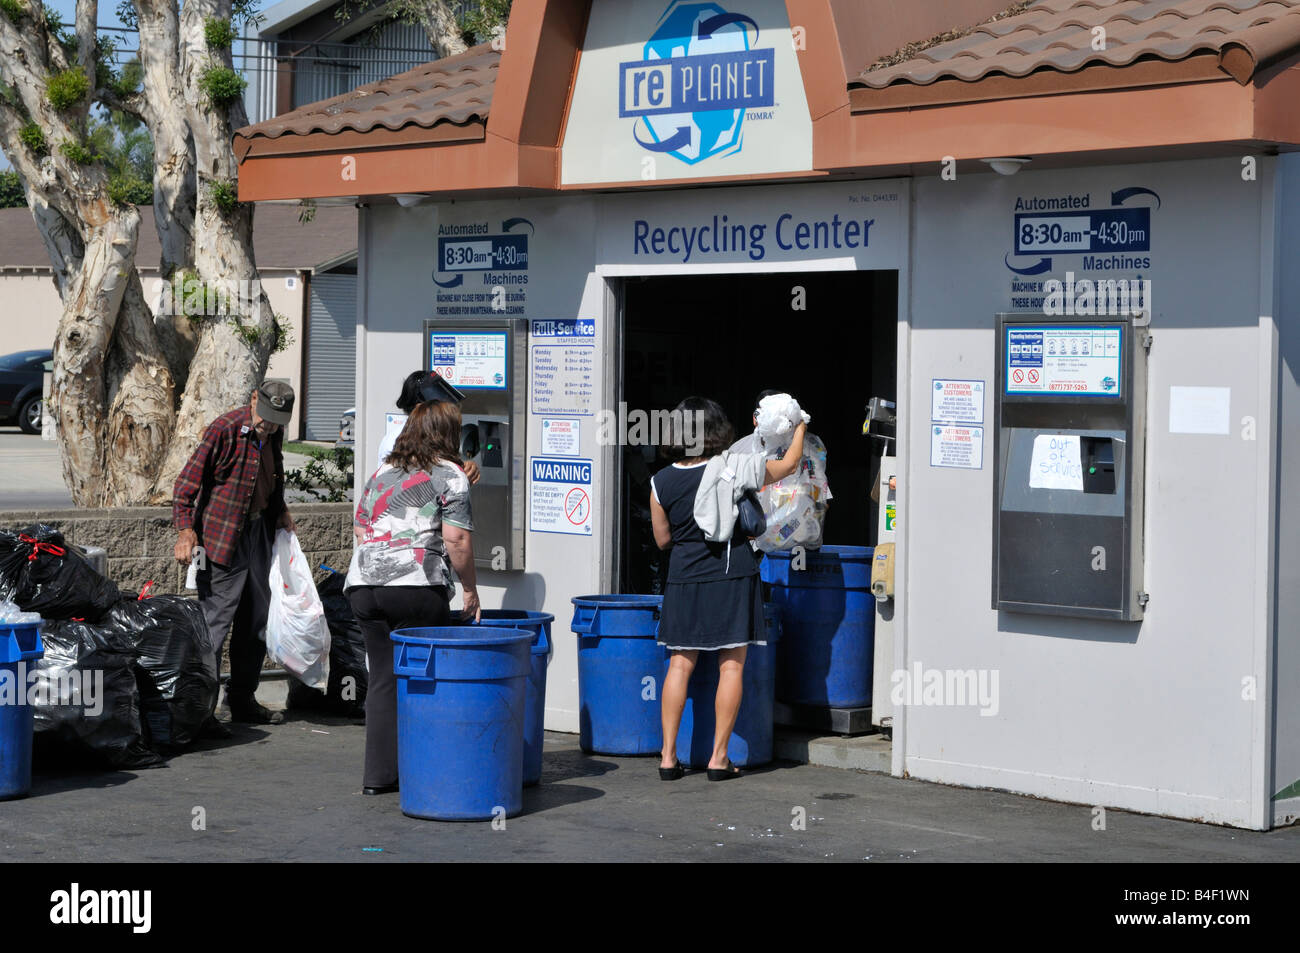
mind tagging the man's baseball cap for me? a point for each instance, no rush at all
(275, 402)
(433, 387)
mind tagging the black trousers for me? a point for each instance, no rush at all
(239, 595)
(380, 610)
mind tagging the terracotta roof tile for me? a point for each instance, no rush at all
(1057, 35)
(455, 90)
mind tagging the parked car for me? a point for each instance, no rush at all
(346, 423)
(22, 378)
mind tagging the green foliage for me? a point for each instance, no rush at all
(481, 21)
(67, 88)
(306, 211)
(224, 194)
(197, 299)
(222, 85)
(53, 19)
(124, 144)
(327, 477)
(78, 152)
(33, 138)
(128, 189)
(13, 10)
(279, 336)
(283, 331)
(219, 34)
(12, 194)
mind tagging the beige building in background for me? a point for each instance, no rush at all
(290, 256)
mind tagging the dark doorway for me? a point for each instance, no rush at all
(727, 337)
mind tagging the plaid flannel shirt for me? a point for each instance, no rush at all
(212, 494)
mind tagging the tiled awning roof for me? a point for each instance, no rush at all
(456, 92)
(1058, 35)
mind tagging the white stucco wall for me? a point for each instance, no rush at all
(1145, 716)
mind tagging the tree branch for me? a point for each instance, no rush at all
(136, 104)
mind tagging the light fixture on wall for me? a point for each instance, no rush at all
(412, 199)
(1007, 165)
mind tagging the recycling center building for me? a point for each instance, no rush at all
(1062, 244)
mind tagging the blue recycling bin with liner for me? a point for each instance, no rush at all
(620, 673)
(539, 625)
(828, 623)
(461, 694)
(751, 739)
(19, 644)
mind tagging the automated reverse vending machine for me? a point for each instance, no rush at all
(487, 360)
(1069, 440)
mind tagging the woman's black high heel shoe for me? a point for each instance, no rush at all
(673, 773)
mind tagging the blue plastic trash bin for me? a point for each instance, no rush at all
(19, 644)
(828, 622)
(460, 720)
(751, 739)
(620, 673)
(539, 625)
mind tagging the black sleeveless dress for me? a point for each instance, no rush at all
(711, 601)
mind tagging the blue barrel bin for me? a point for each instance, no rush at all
(461, 694)
(751, 739)
(539, 625)
(828, 623)
(620, 673)
(19, 644)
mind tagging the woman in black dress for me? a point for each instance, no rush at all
(713, 601)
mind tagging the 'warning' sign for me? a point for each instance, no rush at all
(560, 495)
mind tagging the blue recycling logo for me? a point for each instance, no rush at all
(699, 75)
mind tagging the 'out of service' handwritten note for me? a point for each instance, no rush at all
(1056, 464)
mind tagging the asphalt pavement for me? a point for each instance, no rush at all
(292, 792)
(31, 474)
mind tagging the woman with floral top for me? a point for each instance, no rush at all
(414, 541)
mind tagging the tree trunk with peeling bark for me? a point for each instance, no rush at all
(133, 393)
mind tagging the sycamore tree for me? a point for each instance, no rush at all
(131, 393)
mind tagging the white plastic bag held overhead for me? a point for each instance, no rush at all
(297, 634)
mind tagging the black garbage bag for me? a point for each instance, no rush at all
(86, 702)
(176, 670)
(349, 678)
(41, 573)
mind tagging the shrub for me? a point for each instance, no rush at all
(327, 477)
(219, 34)
(33, 138)
(13, 10)
(78, 152)
(130, 190)
(66, 88)
(224, 194)
(222, 85)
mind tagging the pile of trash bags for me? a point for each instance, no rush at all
(122, 679)
(794, 508)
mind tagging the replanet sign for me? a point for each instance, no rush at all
(701, 89)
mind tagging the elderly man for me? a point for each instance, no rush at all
(229, 500)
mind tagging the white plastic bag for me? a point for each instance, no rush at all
(297, 634)
(795, 508)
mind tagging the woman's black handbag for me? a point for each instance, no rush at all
(750, 518)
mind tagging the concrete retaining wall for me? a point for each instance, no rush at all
(139, 540)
